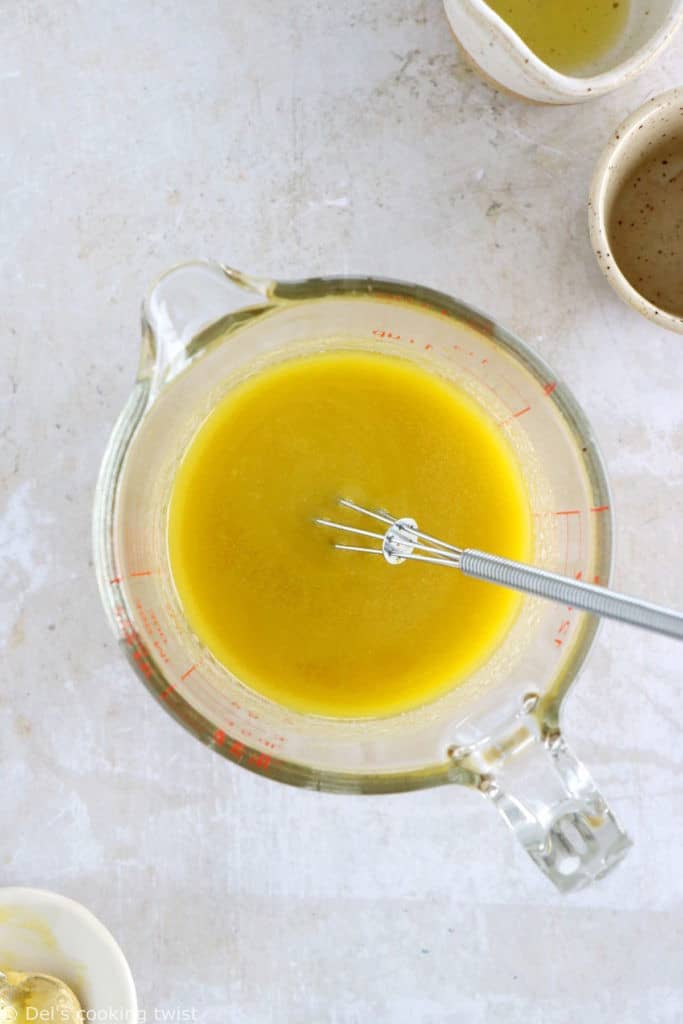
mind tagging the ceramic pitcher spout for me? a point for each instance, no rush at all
(504, 58)
(181, 307)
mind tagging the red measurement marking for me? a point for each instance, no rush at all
(148, 627)
(481, 380)
(470, 353)
(133, 575)
(237, 750)
(600, 508)
(259, 760)
(130, 637)
(165, 693)
(140, 656)
(577, 576)
(568, 512)
(157, 625)
(484, 362)
(549, 388)
(428, 347)
(566, 624)
(188, 673)
(514, 415)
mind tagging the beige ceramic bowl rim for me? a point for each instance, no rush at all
(598, 84)
(623, 142)
(27, 898)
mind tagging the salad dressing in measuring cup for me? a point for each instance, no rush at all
(314, 628)
(212, 335)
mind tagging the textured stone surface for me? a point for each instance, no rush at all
(292, 139)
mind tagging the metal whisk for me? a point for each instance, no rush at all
(401, 540)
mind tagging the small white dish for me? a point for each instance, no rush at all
(502, 57)
(634, 140)
(41, 931)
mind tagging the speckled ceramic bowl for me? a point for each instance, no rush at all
(506, 61)
(639, 136)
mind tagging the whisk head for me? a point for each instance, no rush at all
(401, 540)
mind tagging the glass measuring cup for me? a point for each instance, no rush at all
(206, 326)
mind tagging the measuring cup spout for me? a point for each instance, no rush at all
(180, 308)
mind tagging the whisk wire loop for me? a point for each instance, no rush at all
(403, 541)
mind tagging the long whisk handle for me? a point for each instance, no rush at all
(574, 593)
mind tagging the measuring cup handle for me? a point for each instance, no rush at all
(549, 800)
(182, 305)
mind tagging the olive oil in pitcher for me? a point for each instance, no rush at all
(568, 35)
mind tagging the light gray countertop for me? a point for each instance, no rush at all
(292, 139)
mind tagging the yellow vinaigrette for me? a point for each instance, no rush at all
(328, 632)
(566, 34)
